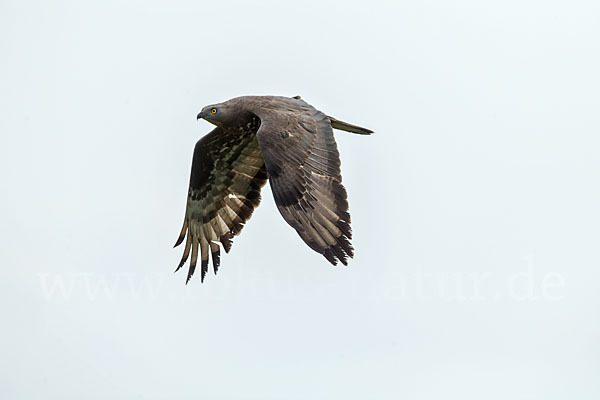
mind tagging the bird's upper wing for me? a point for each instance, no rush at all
(303, 163)
(228, 172)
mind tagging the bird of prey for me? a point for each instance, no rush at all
(258, 138)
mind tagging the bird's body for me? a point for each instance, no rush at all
(259, 138)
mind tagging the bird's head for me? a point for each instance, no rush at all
(217, 114)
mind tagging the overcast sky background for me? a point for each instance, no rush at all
(474, 206)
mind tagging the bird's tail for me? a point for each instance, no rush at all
(344, 126)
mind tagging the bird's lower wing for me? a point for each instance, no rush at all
(228, 172)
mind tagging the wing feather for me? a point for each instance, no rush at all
(227, 175)
(303, 164)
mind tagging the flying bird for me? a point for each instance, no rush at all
(258, 138)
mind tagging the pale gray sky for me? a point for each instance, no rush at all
(474, 206)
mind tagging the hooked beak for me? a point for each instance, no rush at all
(205, 111)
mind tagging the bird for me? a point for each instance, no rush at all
(283, 140)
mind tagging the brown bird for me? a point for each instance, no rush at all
(258, 138)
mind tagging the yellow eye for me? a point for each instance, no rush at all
(213, 111)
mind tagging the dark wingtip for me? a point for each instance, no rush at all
(344, 261)
(190, 273)
(179, 266)
(216, 261)
(340, 254)
(179, 240)
(330, 256)
(226, 241)
(203, 270)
